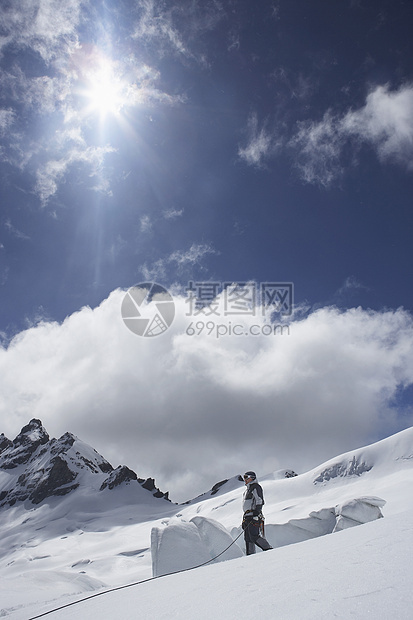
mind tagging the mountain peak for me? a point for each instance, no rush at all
(34, 467)
(19, 451)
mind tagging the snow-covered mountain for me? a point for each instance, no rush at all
(34, 467)
(77, 541)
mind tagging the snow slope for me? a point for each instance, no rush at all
(58, 552)
(359, 573)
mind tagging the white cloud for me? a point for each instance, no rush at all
(192, 410)
(64, 91)
(385, 123)
(182, 259)
(155, 25)
(42, 25)
(177, 29)
(155, 272)
(350, 285)
(260, 143)
(170, 214)
(6, 119)
(146, 224)
(194, 255)
(50, 174)
(319, 147)
(15, 232)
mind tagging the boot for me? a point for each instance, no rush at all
(263, 544)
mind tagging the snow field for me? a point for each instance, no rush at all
(67, 548)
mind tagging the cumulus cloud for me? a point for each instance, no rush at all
(193, 409)
(385, 123)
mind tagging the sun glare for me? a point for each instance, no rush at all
(103, 88)
(105, 91)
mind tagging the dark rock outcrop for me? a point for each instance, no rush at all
(149, 485)
(355, 467)
(4, 443)
(34, 467)
(120, 475)
(24, 445)
(56, 482)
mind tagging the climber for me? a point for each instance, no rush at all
(253, 520)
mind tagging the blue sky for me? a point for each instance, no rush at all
(218, 140)
(274, 140)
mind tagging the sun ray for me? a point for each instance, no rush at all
(101, 84)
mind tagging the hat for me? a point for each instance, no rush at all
(250, 474)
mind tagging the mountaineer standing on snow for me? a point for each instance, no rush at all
(253, 520)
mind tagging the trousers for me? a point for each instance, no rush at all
(252, 537)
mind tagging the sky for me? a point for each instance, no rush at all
(207, 142)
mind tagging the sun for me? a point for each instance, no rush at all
(105, 92)
(103, 89)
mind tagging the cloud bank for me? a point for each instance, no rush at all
(191, 410)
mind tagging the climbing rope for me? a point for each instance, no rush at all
(130, 585)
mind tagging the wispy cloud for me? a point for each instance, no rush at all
(41, 25)
(193, 256)
(317, 149)
(146, 224)
(171, 214)
(49, 29)
(350, 289)
(180, 258)
(155, 24)
(260, 143)
(6, 119)
(50, 174)
(116, 247)
(177, 29)
(15, 232)
(385, 123)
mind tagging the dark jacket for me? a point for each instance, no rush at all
(253, 499)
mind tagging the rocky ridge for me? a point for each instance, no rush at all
(34, 467)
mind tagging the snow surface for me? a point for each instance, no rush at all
(64, 549)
